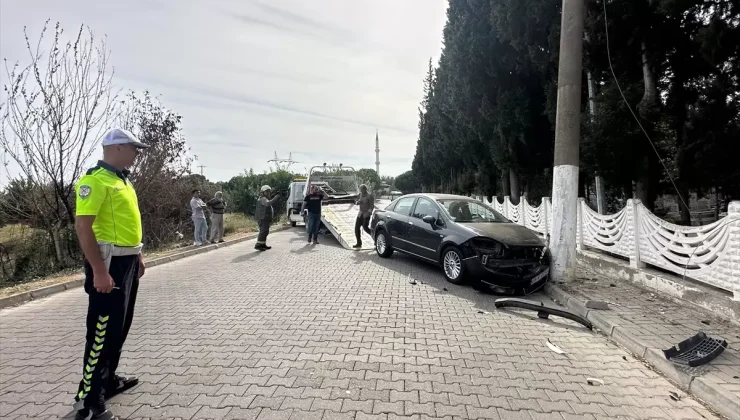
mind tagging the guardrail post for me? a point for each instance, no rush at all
(733, 246)
(636, 208)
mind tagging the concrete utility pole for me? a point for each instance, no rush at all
(567, 139)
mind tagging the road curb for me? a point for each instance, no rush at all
(21, 298)
(716, 397)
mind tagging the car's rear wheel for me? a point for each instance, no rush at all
(382, 246)
(453, 266)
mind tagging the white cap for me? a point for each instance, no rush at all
(118, 136)
(265, 188)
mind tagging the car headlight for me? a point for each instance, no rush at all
(489, 247)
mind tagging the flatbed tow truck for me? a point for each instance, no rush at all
(339, 211)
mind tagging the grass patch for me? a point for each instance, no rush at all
(238, 223)
(11, 234)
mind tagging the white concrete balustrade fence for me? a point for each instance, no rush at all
(709, 254)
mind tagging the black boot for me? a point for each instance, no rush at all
(95, 414)
(120, 384)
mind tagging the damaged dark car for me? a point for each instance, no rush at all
(468, 239)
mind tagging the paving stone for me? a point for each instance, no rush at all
(274, 347)
(212, 413)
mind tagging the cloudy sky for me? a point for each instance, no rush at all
(255, 77)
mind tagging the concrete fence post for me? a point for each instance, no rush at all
(636, 207)
(545, 216)
(733, 246)
(579, 226)
(523, 206)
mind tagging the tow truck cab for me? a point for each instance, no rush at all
(296, 194)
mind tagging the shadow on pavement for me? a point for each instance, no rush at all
(248, 256)
(305, 249)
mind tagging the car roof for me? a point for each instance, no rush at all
(435, 196)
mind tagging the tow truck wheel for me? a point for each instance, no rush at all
(382, 247)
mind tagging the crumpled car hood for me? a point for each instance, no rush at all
(510, 234)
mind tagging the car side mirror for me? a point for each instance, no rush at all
(429, 219)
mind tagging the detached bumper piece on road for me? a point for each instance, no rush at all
(543, 311)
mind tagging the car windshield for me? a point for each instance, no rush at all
(471, 211)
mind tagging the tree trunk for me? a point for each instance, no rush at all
(57, 240)
(717, 202)
(642, 183)
(505, 185)
(514, 183)
(683, 190)
(650, 94)
(600, 195)
(648, 108)
(600, 198)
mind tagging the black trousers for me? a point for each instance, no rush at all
(264, 226)
(364, 223)
(109, 317)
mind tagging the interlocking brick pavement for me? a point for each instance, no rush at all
(319, 332)
(659, 322)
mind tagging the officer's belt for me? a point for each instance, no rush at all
(108, 251)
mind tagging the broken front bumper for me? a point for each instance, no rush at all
(509, 276)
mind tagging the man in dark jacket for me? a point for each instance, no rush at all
(312, 208)
(218, 207)
(263, 213)
(367, 204)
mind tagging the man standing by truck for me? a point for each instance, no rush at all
(367, 204)
(263, 213)
(312, 207)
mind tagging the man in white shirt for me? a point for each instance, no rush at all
(198, 208)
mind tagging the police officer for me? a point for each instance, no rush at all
(263, 213)
(108, 227)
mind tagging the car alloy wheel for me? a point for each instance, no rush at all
(452, 265)
(380, 244)
(382, 247)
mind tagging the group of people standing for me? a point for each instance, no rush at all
(217, 206)
(311, 208)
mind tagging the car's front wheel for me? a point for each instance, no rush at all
(453, 266)
(382, 245)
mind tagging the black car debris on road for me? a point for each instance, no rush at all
(467, 238)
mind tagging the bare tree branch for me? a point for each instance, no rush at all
(56, 108)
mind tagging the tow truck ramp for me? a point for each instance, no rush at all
(339, 219)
